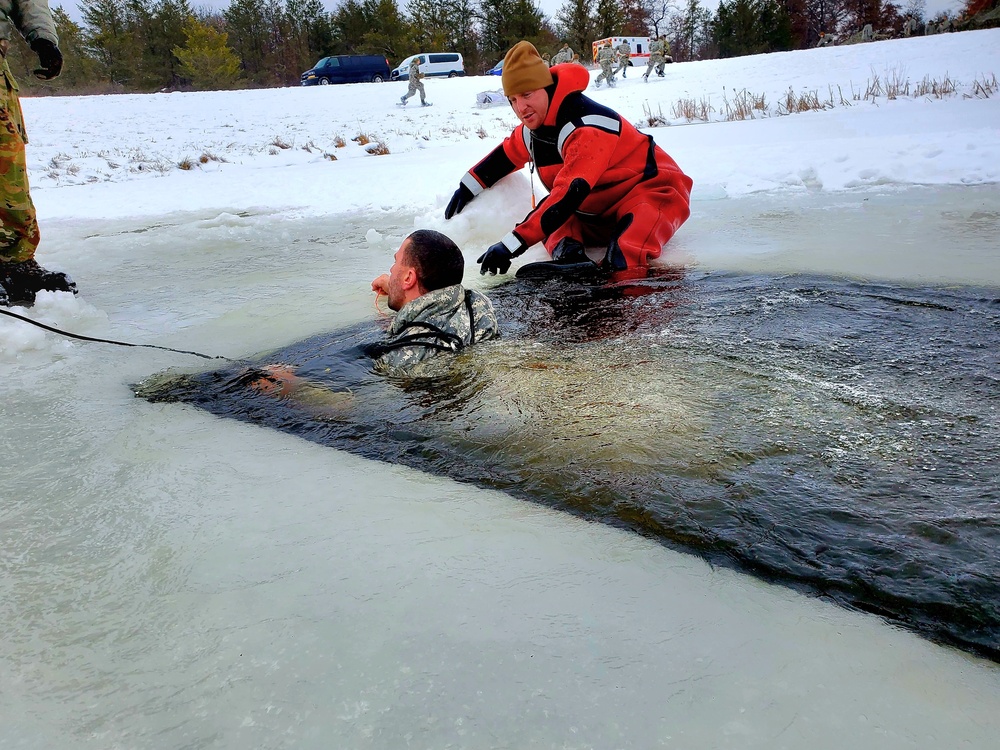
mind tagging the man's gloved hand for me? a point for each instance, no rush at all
(458, 201)
(49, 57)
(496, 259)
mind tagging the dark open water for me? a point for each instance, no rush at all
(838, 436)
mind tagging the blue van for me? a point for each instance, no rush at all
(347, 69)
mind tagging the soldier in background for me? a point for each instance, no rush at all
(867, 33)
(824, 39)
(605, 58)
(564, 55)
(416, 84)
(657, 59)
(21, 278)
(624, 52)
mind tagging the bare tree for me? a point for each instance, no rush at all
(659, 11)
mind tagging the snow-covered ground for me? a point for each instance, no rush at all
(281, 148)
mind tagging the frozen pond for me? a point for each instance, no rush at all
(174, 579)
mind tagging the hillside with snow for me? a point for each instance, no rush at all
(918, 111)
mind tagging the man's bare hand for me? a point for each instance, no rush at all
(381, 284)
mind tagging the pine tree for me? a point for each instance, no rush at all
(576, 24)
(387, 32)
(467, 39)
(164, 31)
(748, 27)
(109, 41)
(430, 21)
(138, 19)
(249, 37)
(609, 18)
(349, 26)
(206, 60)
(309, 36)
(80, 70)
(506, 22)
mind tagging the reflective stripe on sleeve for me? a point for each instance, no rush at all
(602, 122)
(512, 242)
(472, 184)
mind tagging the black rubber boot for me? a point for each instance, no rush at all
(614, 259)
(570, 250)
(22, 280)
(569, 262)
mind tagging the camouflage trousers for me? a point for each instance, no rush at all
(18, 225)
(415, 85)
(606, 74)
(656, 60)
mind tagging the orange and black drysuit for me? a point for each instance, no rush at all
(608, 183)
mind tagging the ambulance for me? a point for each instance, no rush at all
(639, 44)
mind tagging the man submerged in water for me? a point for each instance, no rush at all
(434, 314)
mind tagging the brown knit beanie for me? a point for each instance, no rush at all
(524, 70)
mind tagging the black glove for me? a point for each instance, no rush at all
(458, 201)
(49, 57)
(496, 259)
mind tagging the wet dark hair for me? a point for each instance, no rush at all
(436, 259)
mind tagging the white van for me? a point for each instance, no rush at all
(639, 44)
(444, 64)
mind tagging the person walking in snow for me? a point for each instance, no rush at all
(564, 55)
(605, 58)
(609, 185)
(656, 57)
(624, 54)
(416, 84)
(20, 275)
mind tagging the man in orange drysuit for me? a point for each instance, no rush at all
(609, 185)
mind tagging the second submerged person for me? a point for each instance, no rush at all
(609, 185)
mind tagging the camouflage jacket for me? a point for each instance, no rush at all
(446, 320)
(414, 71)
(562, 56)
(624, 51)
(656, 47)
(31, 17)
(606, 56)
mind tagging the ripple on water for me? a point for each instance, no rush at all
(834, 435)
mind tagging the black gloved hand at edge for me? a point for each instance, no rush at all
(49, 57)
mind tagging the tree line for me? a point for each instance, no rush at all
(154, 45)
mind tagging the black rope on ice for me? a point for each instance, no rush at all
(110, 341)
